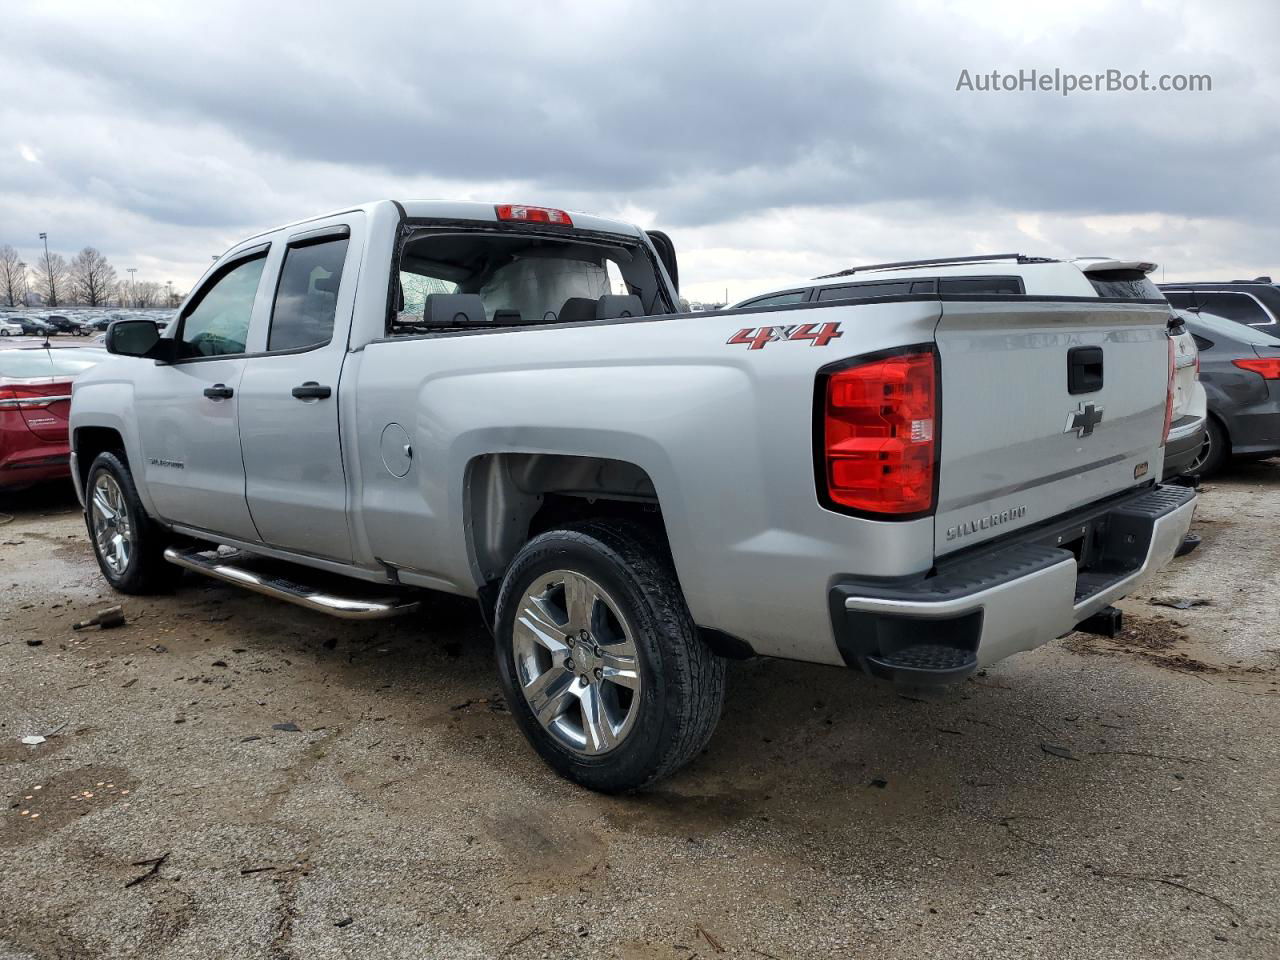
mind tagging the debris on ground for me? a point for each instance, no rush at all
(103, 619)
(154, 863)
(35, 643)
(1180, 603)
(1058, 751)
(287, 727)
(33, 741)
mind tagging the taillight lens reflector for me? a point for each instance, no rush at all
(1267, 367)
(1169, 391)
(526, 214)
(880, 435)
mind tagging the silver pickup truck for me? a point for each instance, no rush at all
(504, 402)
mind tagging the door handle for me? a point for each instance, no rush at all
(312, 391)
(219, 391)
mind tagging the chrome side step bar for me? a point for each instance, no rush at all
(211, 564)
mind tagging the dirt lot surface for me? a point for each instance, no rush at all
(1090, 799)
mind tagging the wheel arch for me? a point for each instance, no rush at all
(511, 497)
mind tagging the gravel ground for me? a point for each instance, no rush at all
(1089, 799)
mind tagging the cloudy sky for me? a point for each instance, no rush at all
(772, 141)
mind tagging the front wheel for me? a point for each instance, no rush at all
(599, 659)
(128, 544)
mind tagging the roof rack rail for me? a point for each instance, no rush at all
(938, 261)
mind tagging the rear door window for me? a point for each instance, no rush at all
(1182, 299)
(778, 299)
(865, 291)
(307, 296)
(1239, 307)
(1124, 285)
(218, 325)
(981, 286)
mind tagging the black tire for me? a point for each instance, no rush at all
(682, 682)
(1216, 451)
(146, 570)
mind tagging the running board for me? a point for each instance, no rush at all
(209, 563)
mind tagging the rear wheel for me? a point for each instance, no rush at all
(128, 544)
(599, 659)
(1213, 452)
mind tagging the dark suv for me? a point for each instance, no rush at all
(1255, 303)
(60, 324)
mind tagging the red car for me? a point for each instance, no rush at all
(35, 398)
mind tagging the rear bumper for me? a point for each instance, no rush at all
(1013, 595)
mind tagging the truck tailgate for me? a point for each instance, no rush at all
(1018, 445)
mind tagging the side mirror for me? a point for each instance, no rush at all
(132, 338)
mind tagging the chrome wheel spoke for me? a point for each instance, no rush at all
(550, 693)
(620, 668)
(101, 505)
(579, 602)
(595, 721)
(537, 625)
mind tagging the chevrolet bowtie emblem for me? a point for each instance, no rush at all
(1083, 420)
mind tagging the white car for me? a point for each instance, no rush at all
(1190, 405)
(9, 329)
(1012, 275)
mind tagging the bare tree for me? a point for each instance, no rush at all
(51, 278)
(92, 277)
(148, 293)
(13, 276)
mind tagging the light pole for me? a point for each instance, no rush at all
(48, 266)
(133, 286)
(169, 284)
(22, 279)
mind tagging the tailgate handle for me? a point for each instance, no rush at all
(1084, 370)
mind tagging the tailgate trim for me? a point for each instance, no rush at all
(1030, 484)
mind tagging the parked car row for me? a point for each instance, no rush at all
(70, 323)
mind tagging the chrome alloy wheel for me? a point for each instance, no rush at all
(112, 528)
(1204, 454)
(576, 662)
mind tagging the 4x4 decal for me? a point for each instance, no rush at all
(819, 335)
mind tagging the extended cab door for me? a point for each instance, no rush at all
(187, 410)
(295, 481)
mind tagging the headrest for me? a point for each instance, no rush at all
(453, 309)
(577, 309)
(613, 305)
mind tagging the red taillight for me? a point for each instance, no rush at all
(517, 211)
(1267, 367)
(19, 396)
(1168, 397)
(880, 435)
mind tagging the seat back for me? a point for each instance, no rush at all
(454, 309)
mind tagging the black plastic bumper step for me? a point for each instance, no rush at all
(925, 663)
